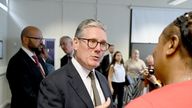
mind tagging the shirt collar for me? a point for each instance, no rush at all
(83, 72)
(27, 51)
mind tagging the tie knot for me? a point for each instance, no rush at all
(91, 75)
(35, 58)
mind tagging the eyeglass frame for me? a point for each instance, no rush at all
(94, 40)
(37, 38)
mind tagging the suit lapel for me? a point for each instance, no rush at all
(31, 65)
(77, 83)
(104, 85)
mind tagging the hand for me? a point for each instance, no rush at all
(106, 104)
(153, 79)
(145, 72)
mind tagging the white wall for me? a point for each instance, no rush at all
(4, 89)
(3, 34)
(45, 15)
(117, 19)
(57, 18)
(5, 95)
(73, 14)
(148, 29)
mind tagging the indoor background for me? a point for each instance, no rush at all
(130, 24)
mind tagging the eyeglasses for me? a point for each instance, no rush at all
(37, 38)
(92, 43)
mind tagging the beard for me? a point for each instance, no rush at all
(37, 51)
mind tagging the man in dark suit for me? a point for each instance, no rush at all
(43, 53)
(23, 73)
(78, 84)
(104, 65)
(67, 46)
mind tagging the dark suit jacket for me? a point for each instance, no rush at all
(64, 60)
(65, 89)
(104, 65)
(24, 78)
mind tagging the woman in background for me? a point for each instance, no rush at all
(134, 67)
(116, 78)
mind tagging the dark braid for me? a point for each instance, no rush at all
(184, 22)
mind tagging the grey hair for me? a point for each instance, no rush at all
(149, 57)
(88, 23)
(65, 39)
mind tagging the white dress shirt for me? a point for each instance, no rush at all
(83, 72)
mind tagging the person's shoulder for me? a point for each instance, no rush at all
(128, 60)
(17, 56)
(170, 90)
(140, 60)
(100, 75)
(105, 56)
(165, 97)
(148, 100)
(58, 75)
(62, 73)
(64, 57)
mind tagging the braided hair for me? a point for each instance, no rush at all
(184, 23)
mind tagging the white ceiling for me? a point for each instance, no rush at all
(144, 3)
(161, 3)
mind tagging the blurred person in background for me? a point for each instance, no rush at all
(26, 70)
(134, 67)
(150, 81)
(45, 56)
(66, 44)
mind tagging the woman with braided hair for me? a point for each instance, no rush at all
(173, 66)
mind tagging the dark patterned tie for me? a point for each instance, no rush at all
(95, 91)
(38, 65)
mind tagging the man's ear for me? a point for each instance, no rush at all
(25, 40)
(172, 45)
(75, 43)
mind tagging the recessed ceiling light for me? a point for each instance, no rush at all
(176, 2)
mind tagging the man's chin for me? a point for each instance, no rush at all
(95, 65)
